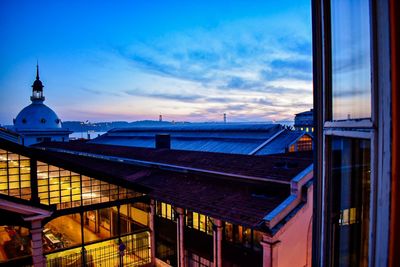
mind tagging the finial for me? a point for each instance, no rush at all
(37, 70)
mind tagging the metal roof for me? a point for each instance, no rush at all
(281, 142)
(223, 138)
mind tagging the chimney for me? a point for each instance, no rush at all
(163, 141)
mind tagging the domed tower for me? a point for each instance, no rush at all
(37, 122)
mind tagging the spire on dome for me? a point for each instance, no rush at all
(37, 87)
(37, 70)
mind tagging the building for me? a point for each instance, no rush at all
(356, 77)
(239, 138)
(75, 203)
(304, 121)
(37, 122)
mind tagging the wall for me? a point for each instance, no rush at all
(295, 237)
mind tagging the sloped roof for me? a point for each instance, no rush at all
(281, 143)
(267, 167)
(215, 184)
(222, 138)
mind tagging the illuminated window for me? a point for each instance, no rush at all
(304, 143)
(196, 224)
(202, 223)
(69, 189)
(15, 175)
(292, 148)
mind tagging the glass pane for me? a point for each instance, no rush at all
(351, 65)
(350, 190)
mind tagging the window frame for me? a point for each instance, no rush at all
(377, 129)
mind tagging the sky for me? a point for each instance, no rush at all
(134, 60)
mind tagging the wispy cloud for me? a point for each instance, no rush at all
(177, 97)
(244, 64)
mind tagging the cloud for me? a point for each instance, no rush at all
(99, 92)
(177, 97)
(245, 65)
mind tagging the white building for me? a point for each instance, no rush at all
(37, 122)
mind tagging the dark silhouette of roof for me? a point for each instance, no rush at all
(279, 168)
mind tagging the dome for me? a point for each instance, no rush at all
(37, 116)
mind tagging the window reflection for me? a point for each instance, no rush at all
(351, 66)
(350, 190)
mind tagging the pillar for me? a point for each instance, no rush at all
(38, 259)
(152, 233)
(34, 181)
(217, 236)
(270, 252)
(180, 237)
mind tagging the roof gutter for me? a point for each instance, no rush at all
(33, 213)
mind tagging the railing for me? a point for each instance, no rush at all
(131, 250)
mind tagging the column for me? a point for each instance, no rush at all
(34, 182)
(270, 252)
(217, 236)
(152, 233)
(38, 259)
(180, 240)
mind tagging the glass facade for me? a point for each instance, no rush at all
(351, 59)
(303, 144)
(107, 253)
(68, 189)
(15, 175)
(96, 231)
(56, 185)
(350, 193)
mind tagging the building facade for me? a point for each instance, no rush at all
(304, 121)
(90, 204)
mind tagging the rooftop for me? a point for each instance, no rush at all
(237, 138)
(239, 189)
(278, 168)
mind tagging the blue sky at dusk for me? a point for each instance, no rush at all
(134, 60)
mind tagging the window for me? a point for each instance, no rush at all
(69, 189)
(352, 101)
(351, 63)
(14, 175)
(304, 143)
(348, 150)
(349, 191)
